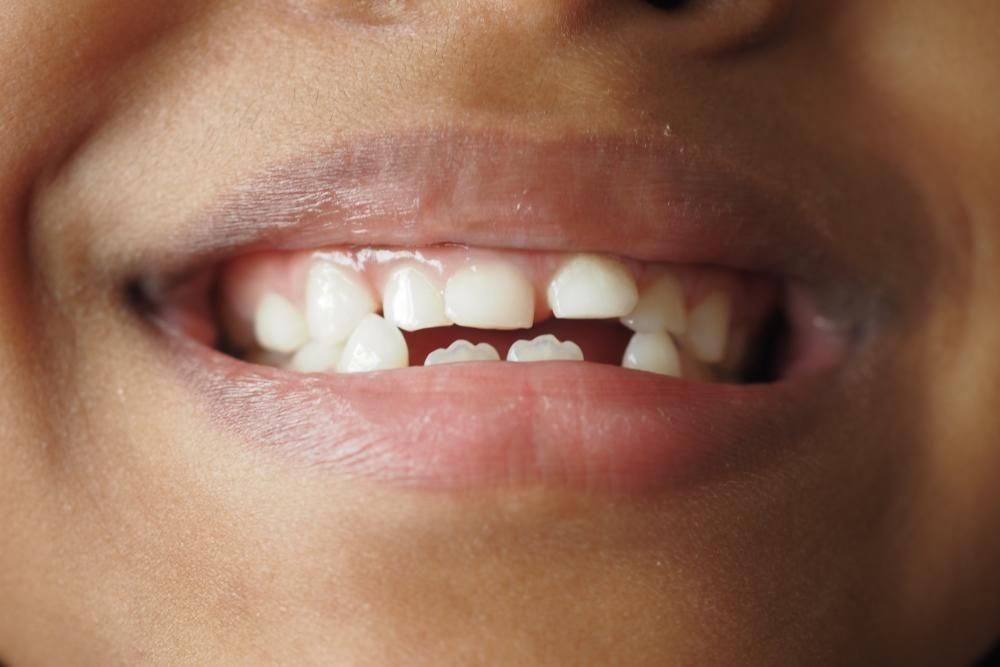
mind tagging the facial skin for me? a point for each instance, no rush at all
(136, 531)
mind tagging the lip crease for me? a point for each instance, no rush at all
(476, 426)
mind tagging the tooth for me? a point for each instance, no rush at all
(708, 327)
(461, 351)
(660, 308)
(592, 287)
(412, 302)
(375, 345)
(316, 357)
(490, 296)
(653, 352)
(336, 301)
(545, 348)
(278, 325)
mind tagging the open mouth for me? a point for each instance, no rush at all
(378, 309)
(426, 355)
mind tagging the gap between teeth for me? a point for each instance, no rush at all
(342, 329)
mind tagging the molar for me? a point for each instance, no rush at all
(336, 302)
(544, 348)
(660, 308)
(278, 325)
(375, 345)
(462, 351)
(708, 327)
(412, 301)
(490, 296)
(654, 353)
(592, 287)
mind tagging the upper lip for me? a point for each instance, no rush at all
(650, 198)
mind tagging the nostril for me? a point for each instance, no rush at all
(670, 5)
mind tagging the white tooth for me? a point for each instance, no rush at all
(336, 301)
(490, 296)
(412, 301)
(375, 345)
(545, 348)
(278, 325)
(708, 327)
(316, 357)
(660, 308)
(653, 352)
(592, 287)
(461, 351)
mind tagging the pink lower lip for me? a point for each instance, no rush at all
(501, 425)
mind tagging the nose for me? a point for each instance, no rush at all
(684, 26)
(596, 60)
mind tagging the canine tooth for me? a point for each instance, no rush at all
(316, 357)
(592, 287)
(490, 296)
(545, 348)
(375, 345)
(461, 351)
(708, 327)
(412, 302)
(660, 308)
(654, 353)
(336, 301)
(278, 324)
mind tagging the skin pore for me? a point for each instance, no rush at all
(135, 530)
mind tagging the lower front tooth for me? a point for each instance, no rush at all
(545, 348)
(375, 345)
(316, 357)
(462, 351)
(654, 353)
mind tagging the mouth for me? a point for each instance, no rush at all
(450, 311)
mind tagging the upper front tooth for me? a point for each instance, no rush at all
(490, 296)
(660, 308)
(278, 325)
(412, 301)
(375, 345)
(708, 327)
(545, 348)
(462, 351)
(592, 287)
(336, 301)
(653, 352)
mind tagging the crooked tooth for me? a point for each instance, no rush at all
(654, 353)
(316, 357)
(708, 327)
(592, 287)
(490, 296)
(462, 351)
(660, 308)
(336, 301)
(278, 325)
(375, 345)
(412, 301)
(544, 348)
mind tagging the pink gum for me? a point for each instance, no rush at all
(244, 281)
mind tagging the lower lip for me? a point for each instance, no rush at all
(500, 425)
